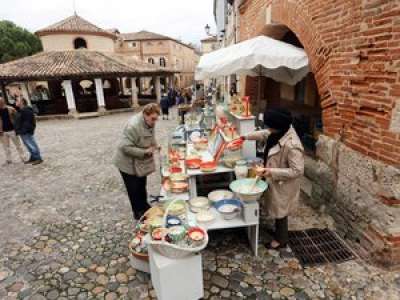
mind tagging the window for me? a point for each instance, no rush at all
(151, 60)
(162, 62)
(132, 45)
(86, 88)
(106, 84)
(80, 43)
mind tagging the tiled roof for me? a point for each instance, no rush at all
(75, 63)
(74, 24)
(148, 36)
(210, 39)
(143, 36)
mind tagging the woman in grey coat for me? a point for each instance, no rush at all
(134, 157)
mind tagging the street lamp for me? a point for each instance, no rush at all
(207, 29)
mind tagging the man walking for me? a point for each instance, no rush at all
(164, 103)
(7, 132)
(25, 124)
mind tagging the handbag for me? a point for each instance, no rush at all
(145, 166)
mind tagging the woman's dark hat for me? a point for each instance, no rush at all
(279, 119)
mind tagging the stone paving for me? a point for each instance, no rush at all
(65, 225)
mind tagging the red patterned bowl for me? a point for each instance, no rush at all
(193, 163)
(208, 166)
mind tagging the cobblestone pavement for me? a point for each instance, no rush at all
(65, 224)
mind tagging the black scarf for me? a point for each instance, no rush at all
(272, 141)
(280, 120)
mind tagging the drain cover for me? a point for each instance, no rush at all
(318, 246)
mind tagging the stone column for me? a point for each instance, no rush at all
(140, 86)
(171, 81)
(100, 95)
(4, 91)
(135, 101)
(25, 92)
(157, 87)
(69, 95)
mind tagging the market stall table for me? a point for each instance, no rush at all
(178, 279)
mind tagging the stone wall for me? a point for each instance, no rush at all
(354, 53)
(362, 194)
(353, 48)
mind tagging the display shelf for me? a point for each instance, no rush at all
(220, 169)
(242, 118)
(221, 223)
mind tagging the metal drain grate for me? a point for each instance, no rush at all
(318, 246)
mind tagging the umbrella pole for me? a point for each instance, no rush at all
(259, 92)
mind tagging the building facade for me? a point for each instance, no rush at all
(79, 71)
(352, 95)
(163, 51)
(76, 33)
(209, 44)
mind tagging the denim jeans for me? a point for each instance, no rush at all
(30, 144)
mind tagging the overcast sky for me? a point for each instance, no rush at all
(183, 19)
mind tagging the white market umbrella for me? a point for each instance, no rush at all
(260, 56)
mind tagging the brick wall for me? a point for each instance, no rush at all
(354, 51)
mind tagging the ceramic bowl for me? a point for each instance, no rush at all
(208, 166)
(229, 208)
(176, 233)
(155, 223)
(196, 234)
(175, 209)
(205, 217)
(198, 204)
(176, 177)
(201, 144)
(159, 233)
(218, 195)
(179, 187)
(173, 221)
(241, 188)
(193, 163)
(173, 170)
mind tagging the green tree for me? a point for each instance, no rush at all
(16, 42)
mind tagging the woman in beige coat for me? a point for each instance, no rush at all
(283, 168)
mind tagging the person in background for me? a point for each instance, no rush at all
(180, 99)
(7, 131)
(283, 168)
(171, 97)
(164, 103)
(134, 157)
(25, 125)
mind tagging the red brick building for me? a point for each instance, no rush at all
(354, 52)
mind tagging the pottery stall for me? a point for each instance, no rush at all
(169, 239)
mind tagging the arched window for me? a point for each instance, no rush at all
(106, 84)
(162, 62)
(151, 60)
(80, 43)
(87, 87)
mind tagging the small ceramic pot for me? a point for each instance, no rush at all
(241, 169)
(176, 233)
